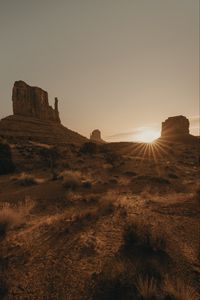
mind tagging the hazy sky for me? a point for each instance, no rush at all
(116, 65)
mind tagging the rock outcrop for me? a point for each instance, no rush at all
(33, 102)
(95, 136)
(177, 126)
(34, 119)
(176, 129)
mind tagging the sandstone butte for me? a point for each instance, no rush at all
(34, 119)
(176, 129)
(95, 136)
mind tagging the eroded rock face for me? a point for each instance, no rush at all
(177, 126)
(33, 102)
(96, 136)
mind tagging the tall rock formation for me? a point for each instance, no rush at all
(33, 102)
(175, 127)
(96, 136)
(34, 119)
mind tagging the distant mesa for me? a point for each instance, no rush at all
(95, 136)
(34, 119)
(175, 126)
(33, 102)
(177, 129)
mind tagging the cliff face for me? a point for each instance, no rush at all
(34, 119)
(33, 102)
(177, 126)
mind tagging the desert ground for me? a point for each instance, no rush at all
(113, 221)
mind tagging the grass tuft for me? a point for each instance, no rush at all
(146, 287)
(180, 290)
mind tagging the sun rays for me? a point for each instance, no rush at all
(147, 135)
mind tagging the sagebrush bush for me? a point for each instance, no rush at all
(26, 180)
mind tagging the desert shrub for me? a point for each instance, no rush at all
(146, 287)
(172, 175)
(71, 180)
(113, 283)
(11, 216)
(50, 156)
(107, 204)
(179, 290)
(153, 183)
(112, 158)
(26, 180)
(113, 181)
(87, 184)
(130, 174)
(6, 162)
(8, 218)
(140, 235)
(89, 148)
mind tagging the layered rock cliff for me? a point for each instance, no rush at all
(34, 119)
(175, 127)
(33, 102)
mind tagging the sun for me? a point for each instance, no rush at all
(147, 135)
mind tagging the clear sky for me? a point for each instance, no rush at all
(117, 65)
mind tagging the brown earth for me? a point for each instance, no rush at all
(74, 243)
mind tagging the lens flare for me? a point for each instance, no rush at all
(147, 136)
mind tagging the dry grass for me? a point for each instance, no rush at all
(146, 287)
(11, 216)
(74, 179)
(180, 290)
(8, 219)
